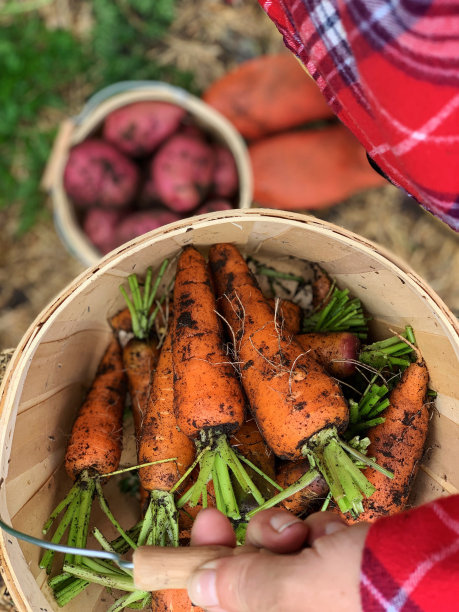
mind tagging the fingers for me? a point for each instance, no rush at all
(323, 523)
(277, 530)
(212, 527)
(322, 577)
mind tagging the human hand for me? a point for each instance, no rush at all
(286, 565)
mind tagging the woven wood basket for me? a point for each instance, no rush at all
(88, 122)
(56, 360)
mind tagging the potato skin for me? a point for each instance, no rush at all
(182, 172)
(138, 129)
(97, 174)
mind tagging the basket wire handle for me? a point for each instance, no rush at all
(84, 552)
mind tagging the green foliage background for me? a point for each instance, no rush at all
(40, 68)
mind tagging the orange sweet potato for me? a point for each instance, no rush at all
(268, 94)
(309, 169)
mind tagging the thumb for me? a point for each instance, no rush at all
(248, 582)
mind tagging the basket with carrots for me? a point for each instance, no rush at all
(257, 374)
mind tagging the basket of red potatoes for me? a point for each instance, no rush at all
(141, 155)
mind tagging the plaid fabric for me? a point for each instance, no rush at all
(411, 560)
(390, 71)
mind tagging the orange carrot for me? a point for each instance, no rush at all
(299, 408)
(95, 441)
(250, 443)
(94, 449)
(209, 401)
(309, 169)
(288, 314)
(267, 94)
(207, 391)
(336, 351)
(139, 359)
(161, 439)
(398, 444)
(173, 600)
(306, 499)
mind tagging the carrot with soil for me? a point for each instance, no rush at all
(209, 401)
(161, 439)
(299, 408)
(398, 443)
(94, 449)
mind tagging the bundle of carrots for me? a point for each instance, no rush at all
(244, 402)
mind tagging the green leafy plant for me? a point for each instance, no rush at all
(45, 69)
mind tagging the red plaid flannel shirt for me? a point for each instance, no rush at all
(411, 560)
(390, 71)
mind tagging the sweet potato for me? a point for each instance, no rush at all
(267, 94)
(141, 222)
(182, 171)
(97, 174)
(139, 128)
(100, 227)
(225, 180)
(309, 169)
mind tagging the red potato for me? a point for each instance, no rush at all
(138, 129)
(182, 171)
(225, 174)
(97, 174)
(141, 222)
(214, 206)
(100, 227)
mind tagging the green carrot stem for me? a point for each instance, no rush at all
(301, 483)
(361, 457)
(379, 408)
(60, 507)
(326, 502)
(160, 523)
(364, 425)
(108, 513)
(128, 601)
(122, 583)
(47, 559)
(226, 499)
(270, 273)
(136, 467)
(84, 511)
(156, 284)
(190, 469)
(260, 472)
(133, 312)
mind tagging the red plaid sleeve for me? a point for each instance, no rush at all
(390, 71)
(411, 560)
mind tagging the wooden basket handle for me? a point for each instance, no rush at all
(61, 144)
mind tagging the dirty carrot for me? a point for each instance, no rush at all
(398, 443)
(161, 439)
(299, 408)
(336, 351)
(209, 401)
(140, 354)
(94, 448)
(287, 313)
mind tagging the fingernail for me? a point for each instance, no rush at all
(333, 527)
(280, 521)
(202, 587)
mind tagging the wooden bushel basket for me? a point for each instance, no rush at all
(56, 360)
